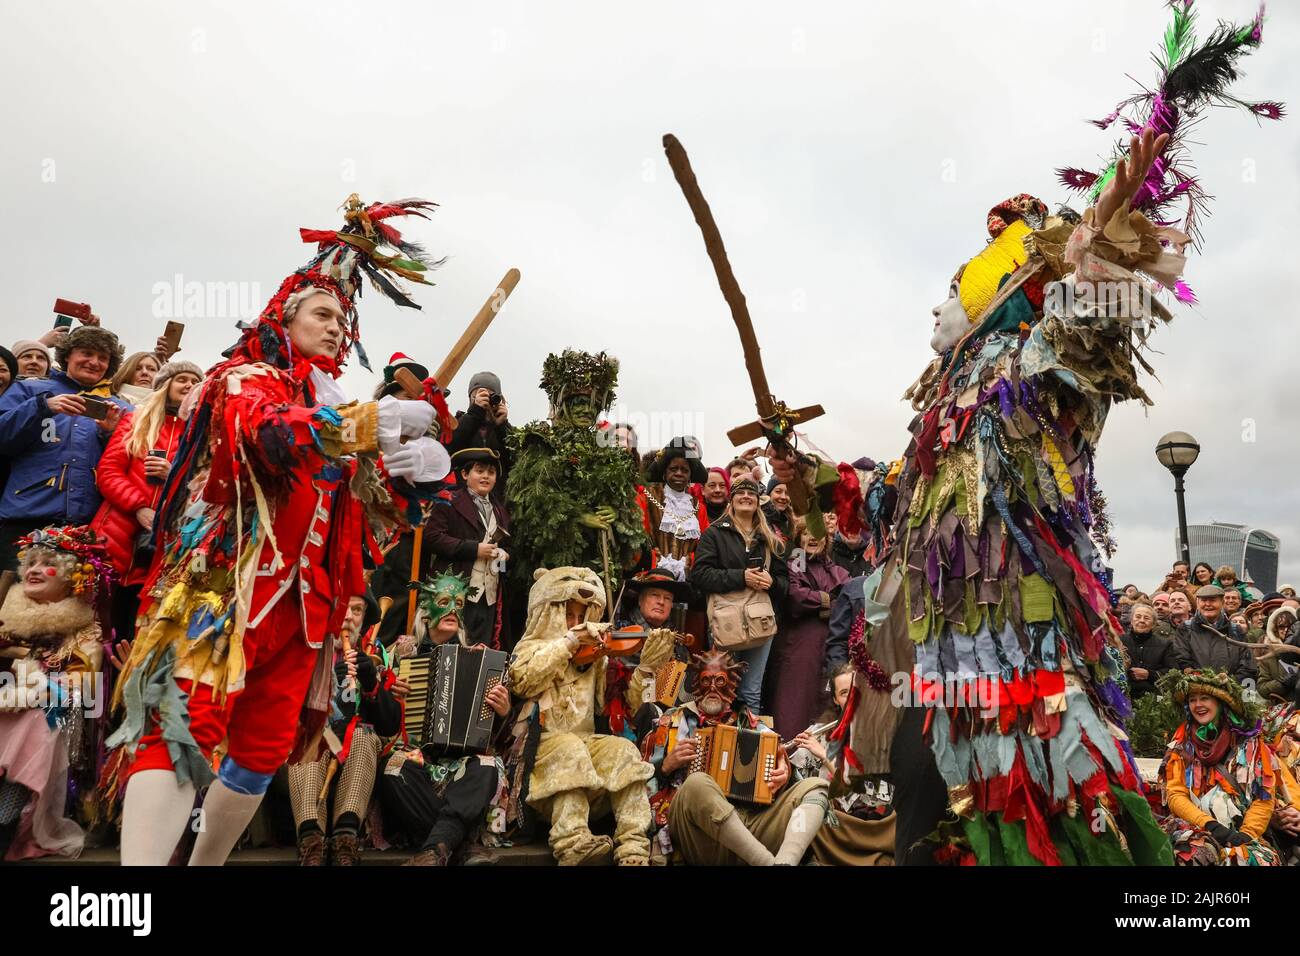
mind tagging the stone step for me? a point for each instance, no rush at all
(529, 854)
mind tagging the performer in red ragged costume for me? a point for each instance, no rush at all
(260, 535)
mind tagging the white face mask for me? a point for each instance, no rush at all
(950, 322)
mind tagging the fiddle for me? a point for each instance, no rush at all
(621, 642)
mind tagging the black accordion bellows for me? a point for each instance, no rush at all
(445, 712)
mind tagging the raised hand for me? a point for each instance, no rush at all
(109, 421)
(1130, 173)
(121, 654)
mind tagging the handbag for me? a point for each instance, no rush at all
(743, 619)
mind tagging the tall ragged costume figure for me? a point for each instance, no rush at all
(260, 535)
(993, 598)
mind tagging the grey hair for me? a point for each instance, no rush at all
(302, 295)
(65, 562)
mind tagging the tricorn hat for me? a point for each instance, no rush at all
(659, 578)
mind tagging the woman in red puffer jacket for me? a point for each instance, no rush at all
(130, 477)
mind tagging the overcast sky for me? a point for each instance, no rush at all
(849, 151)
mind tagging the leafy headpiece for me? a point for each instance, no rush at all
(580, 373)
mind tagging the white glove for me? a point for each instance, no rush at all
(400, 419)
(423, 459)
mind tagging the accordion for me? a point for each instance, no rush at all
(740, 760)
(446, 715)
(669, 677)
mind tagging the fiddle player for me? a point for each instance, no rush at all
(577, 771)
(693, 814)
(439, 804)
(629, 708)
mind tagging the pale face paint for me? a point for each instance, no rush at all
(950, 322)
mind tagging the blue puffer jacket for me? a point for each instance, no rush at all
(53, 457)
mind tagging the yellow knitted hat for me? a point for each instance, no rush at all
(1008, 224)
(980, 277)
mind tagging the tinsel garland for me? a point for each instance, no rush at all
(866, 665)
(1099, 530)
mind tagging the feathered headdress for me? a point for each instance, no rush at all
(343, 257)
(1192, 77)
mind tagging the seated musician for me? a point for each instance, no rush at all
(694, 815)
(577, 771)
(438, 804)
(863, 829)
(630, 692)
(364, 711)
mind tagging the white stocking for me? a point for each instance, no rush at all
(226, 814)
(155, 811)
(735, 836)
(799, 832)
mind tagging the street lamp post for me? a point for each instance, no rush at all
(1177, 451)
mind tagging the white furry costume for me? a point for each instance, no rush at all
(576, 769)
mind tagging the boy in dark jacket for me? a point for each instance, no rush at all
(465, 538)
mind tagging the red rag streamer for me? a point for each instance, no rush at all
(847, 499)
(925, 439)
(446, 423)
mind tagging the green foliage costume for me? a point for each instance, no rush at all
(570, 486)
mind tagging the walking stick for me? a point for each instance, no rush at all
(604, 557)
(414, 585)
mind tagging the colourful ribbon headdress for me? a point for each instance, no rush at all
(1192, 77)
(90, 573)
(343, 257)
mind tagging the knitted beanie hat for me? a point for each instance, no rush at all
(169, 371)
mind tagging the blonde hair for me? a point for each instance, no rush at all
(126, 374)
(146, 423)
(761, 526)
(1226, 571)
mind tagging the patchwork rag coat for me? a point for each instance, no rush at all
(993, 598)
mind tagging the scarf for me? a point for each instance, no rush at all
(1211, 750)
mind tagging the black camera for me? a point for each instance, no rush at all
(494, 399)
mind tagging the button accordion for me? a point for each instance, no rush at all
(740, 760)
(446, 715)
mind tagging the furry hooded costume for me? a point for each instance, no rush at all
(575, 769)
